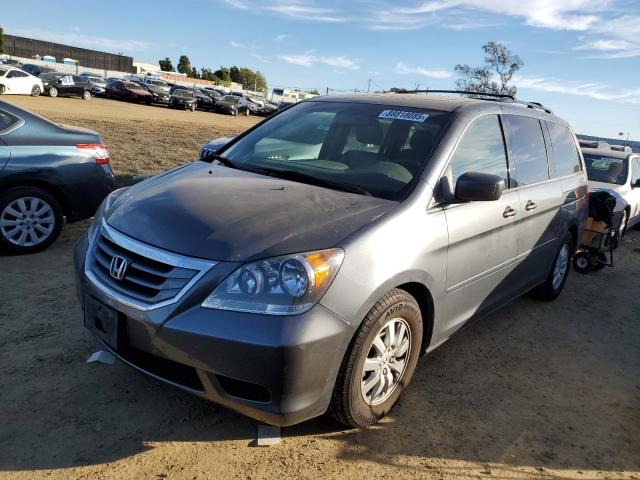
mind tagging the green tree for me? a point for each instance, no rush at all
(314, 92)
(1, 40)
(184, 65)
(223, 74)
(194, 73)
(234, 73)
(166, 65)
(500, 65)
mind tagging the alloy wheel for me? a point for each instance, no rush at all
(386, 361)
(560, 268)
(27, 221)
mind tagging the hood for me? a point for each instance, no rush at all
(139, 91)
(224, 214)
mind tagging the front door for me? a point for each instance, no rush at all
(482, 245)
(634, 197)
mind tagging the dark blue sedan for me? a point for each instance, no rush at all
(48, 172)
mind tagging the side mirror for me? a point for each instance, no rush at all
(636, 184)
(479, 187)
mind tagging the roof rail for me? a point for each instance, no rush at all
(492, 97)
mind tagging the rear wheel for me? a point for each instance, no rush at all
(380, 361)
(2, 89)
(30, 220)
(247, 112)
(35, 91)
(86, 95)
(553, 285)
(53, 92)
(582, 262)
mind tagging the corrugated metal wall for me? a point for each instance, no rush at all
(28, 47)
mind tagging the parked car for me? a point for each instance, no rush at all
(48, 172)
(158, 93)
(233, 105)
(183, 98)
(149, 80)
(62, 85)
(212, 94)
(618, 172)
(99, 84)
(323, 251)
(14, 81)
(36, 70)
(130, 91)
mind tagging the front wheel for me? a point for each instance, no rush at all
(553, 285)
(380, 361)
(35, 91)
(86, 95)
(2, 89)
(53, 92)
(30, 220)
(247, 112)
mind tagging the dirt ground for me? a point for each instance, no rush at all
(536, 390)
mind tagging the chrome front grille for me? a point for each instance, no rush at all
(153, 277)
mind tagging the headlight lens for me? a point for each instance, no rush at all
(104, 207)
(285, 285)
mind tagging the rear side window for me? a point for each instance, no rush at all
(481, 149)
(527, 150)
(7, 121)
(565, 152)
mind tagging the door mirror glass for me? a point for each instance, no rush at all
(479, 187)
(636, 184)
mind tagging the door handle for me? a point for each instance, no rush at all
(530, 206)
(509, 212)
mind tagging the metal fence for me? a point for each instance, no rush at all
(29, 48)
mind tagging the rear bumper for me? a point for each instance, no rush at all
(277, 370)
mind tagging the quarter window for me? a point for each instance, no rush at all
(481, 149)
(565, 151)
(7, 121)
(527, 150)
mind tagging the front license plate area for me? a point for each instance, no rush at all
(102, 320)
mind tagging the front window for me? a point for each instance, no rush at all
(370, 149)
(601, 168)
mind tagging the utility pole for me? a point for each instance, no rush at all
(369, 86)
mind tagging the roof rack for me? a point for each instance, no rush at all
(492, 97)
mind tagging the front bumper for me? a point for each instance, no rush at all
(277, 370)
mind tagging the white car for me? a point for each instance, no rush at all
(18, 82)
(619, 172)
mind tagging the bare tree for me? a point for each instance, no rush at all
(496, 74)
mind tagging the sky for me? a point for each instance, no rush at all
(581, 57)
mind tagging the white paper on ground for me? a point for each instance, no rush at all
(268, 435)
(102, 356)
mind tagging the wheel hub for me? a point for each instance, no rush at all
(27, 221)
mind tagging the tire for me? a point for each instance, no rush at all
(359, 399)
(553, 285)
(53, 92)
(2, 89)
(247, 112)
(582, 262)
(234, 113)
(86, 95)
(35, 91)
(23, 230)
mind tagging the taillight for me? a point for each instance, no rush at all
(98, 151)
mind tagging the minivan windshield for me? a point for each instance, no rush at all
(601, 168)
(373, 149)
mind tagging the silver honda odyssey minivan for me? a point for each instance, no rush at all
(306, 265)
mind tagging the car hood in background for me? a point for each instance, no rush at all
(233, 215)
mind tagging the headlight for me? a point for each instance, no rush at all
(104, 207)
(285, 285)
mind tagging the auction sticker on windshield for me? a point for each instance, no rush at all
(402, 115)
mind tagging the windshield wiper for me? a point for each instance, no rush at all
(310, 179)
(227, 162)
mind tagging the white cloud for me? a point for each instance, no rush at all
(309, 59)
(597, 91)
(282, 38)
(235, 44)
(305, 11)
(237, 4)
(403, 69)
(111, 45)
